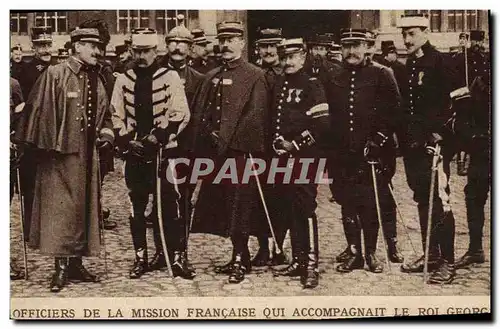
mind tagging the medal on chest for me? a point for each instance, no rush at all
(294, 95)
(420, 77)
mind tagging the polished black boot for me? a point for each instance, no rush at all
(310, 277)
(158, 261)
(226, 268)
(240, 267)
(444, 274)
(353, 262)
(344, 255)
(15, 274)
(278, 259)
(180, 266)
(469, 258)
(417, 266)
(374, 265)
(78, 273)
(60, 277)
(394, 255)
(262, 257)
(140, 266)
(295, 268)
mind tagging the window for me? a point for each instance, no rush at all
(127, 20)
(58, 20)
(18, 23)
(433, 15)
(462, 20)
(167, 19)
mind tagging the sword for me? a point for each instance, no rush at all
(101, 219)
(402, 219)
(261, 193)
(160, 216)
(379, 215)
(23, 240)
(437, 151)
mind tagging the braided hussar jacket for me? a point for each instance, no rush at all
(168, 100)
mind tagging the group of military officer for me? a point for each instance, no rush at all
(335, 101)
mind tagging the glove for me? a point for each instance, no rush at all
(151, 142)
(136, 148)
(372, 151)
(281, 146)
(103, 145)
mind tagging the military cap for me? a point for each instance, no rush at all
(388, 46)
(371, 37)
(16, 47)
(269, 37)
(477, 35)
(199, 37)
(144, 38)
(180, 34)
(41, 34)
(335, 49)
(417, 20)
(349, 35)
(63, 53)
(120, 49)
(290, 46)
(229, 29)
(85, 35)
(320, 40)
(463, 35)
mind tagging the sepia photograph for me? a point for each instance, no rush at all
(250, 164)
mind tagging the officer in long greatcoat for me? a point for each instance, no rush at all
(230, 117)
(364, 100)
(150, 109)
(299, 118)
(426, 106)
(66, 118)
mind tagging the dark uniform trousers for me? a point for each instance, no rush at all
(431, 79)
(141, 180)
(363, 101)
(300, 115)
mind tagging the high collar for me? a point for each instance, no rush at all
(175, 65)
(234, 63)
(366, 61)
(293, 76)
(74, 64)
(150, 70)
(426, 48)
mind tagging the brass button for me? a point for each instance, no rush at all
(351, 114)
(286, 82)
(351, 129)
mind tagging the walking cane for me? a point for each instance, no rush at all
(160, 216)
(261, 193)
(402, 219)
(379, 215)
(101, 221)
(437, 151)
(23, 240)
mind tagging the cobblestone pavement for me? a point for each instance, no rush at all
(205, 251)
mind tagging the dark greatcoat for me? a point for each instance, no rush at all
(223, 209)
(65, 220)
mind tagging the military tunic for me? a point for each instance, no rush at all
(364, 102)
(426, 111)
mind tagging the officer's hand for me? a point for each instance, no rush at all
(16, 153)
(214, 136)
(288, 146)
(372, 151)
(278, 146)
(150, 141)
(103, 145)
(136, 148)
(434, 138)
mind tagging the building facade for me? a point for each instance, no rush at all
(445, 24)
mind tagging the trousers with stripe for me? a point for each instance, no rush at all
(418, 175)
(140, 178)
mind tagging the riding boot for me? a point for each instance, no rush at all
(60, 277)
(77, 272)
